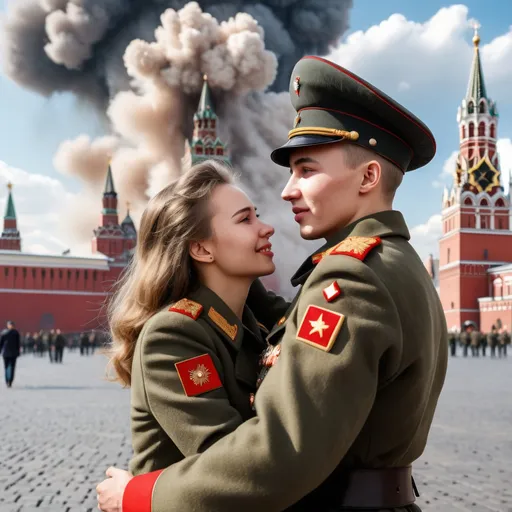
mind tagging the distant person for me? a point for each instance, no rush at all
(10, 346)
(60, 343)
(84, 344)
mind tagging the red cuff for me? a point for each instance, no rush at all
(138, 494)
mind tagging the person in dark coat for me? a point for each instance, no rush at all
(10, 346)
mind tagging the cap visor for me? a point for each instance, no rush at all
(281, 156)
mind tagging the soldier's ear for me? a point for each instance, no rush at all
(370, 177)
(199, 252)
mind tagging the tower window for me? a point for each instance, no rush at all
(486, 254)
(500, 202)
(482, 107)
(471, 107)
(453, 305)
(481, 129)
(212, 123)
(468, 201)
(484, 202)
(6, 271)
(493, 130)
(471, 129)
(448, 255)
(463, 132)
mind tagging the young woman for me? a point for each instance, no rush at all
(183, 338)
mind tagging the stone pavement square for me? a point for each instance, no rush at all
(62, 425)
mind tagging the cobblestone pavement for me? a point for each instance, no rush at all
(62, 425)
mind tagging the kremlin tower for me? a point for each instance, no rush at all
(205, 144)
(10, 239)
(68, 292)
(112, 239)
(475, 250)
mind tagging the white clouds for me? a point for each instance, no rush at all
(425, 237)
(40, 203)
(425, 58)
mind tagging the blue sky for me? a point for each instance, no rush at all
(32, 127)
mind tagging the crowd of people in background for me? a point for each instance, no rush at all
(54, 341)
(51, 342)
(473, 341)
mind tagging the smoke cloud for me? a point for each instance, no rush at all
(142, 62)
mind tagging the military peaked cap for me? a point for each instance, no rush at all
(334, 104)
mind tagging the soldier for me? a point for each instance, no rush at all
(492, 340)
(195, 328)
(475, 336)
(365, 335)
(503, 341)
(452, 340)
(465, 338)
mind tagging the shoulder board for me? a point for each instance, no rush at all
(354, 246)
(187, 307)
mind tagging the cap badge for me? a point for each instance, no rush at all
(296, 85)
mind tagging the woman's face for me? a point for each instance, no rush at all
(239, 244)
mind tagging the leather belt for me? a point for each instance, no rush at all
(378, 489)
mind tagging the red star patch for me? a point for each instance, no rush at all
(320, 327)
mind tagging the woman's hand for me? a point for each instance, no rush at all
(110, 491)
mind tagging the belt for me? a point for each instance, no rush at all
(378, 489)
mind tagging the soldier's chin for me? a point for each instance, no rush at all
(308, 232)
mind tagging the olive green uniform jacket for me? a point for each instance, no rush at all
(173, 417)
(361, 394)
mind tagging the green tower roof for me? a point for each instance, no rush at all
(476, 85)
(10, 212)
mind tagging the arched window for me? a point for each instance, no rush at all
(481, 129)
(471, 129)
(493, 130)
(463, 132)
(468, 201)
(484, 202)
(500, 202)
(471, 107)
(482, 107)
(212, 123)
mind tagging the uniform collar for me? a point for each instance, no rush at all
(382, 224)
(220, 316)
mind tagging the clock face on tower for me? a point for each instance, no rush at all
(484, 176)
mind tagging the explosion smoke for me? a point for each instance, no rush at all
(108, 52)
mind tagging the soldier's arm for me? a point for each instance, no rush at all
(182, 380)
(267, 306)
(311, 406)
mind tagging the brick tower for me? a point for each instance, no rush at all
(10, 239)
(111, 238)
(476, 212)
(205, 143)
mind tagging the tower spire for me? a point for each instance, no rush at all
(109, 182)
(10, 239)
(476, 85)
(205, 142)
(10, 212)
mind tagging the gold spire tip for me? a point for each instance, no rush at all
(9, 185)
(205, 77)
(476, 37)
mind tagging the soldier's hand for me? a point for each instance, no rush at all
(110, 491)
